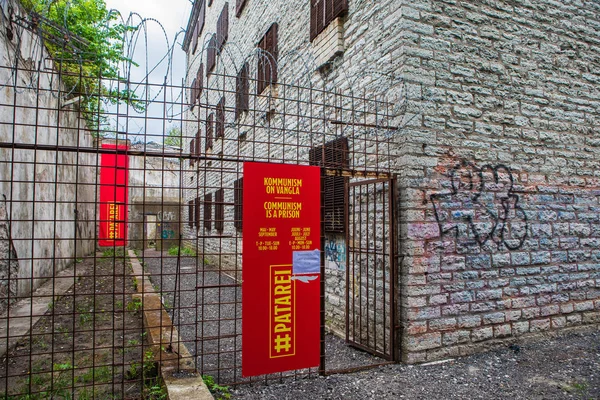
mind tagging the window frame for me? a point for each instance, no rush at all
(323, 13)
(267, 73)
(220, 210)
(242, 91)
(207, 203)
(238, 203)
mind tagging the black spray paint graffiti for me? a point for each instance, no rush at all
(481, 207)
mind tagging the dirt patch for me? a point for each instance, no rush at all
(89, 344)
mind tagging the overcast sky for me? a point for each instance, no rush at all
(151, 44)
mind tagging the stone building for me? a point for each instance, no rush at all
(484, 114)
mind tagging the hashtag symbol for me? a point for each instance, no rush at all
(282, 343)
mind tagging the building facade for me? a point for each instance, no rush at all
(483, 114)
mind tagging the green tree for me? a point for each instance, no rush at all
(173, 137)
(86, 43)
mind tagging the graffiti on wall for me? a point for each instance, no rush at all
(335, 253)
(481, 207)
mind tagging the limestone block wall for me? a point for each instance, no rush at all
(499, 190)
(47, 196)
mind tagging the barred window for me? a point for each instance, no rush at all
(238, 195)
(323, 12)
(223, 27)
(192, 151)
(207, 211)
(242, 92)
(211, 54)
(220, 119)
(219, 210)
(333, 155)
(209, 132)
(239, 7)
(191, 213)
(197, 203)
(267, 62)
(201, 17)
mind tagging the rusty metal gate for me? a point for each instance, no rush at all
(371, 273)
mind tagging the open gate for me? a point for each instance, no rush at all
(371, 272)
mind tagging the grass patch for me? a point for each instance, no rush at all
(218, 391)
(184, 251)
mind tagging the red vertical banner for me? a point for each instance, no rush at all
(280, 268)
(114, 176)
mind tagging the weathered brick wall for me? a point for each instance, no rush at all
(500, 222)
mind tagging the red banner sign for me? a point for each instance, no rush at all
(114, 175)
(280, 268)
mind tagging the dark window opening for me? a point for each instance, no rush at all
(323, 12)
(239, 7)
(199, 82)
(220, 210)
(209, 132)
(201, 17)
(333, 155)
(191, 219)
(242, 92)
(223, 27)
(197, 212)
(207, 211)
(211, 54)
(238, 192)
(220, 119)
(192, 151)
(267, 61)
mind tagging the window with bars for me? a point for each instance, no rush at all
(197, 203)
(201, 17)
(191, 219)
(239, 7)
(267, 62)
(193, 89)
(333, 155)
(220, 210)
(242, 92)
(220, 119)
(207, 211)
(209, 132)
(238, 193)
(211, 54)
(323, 12)
(197, 144)
(223, 27)
(192, 151)
(199, 82)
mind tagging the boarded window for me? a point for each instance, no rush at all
(220, 119)
(192, 151)
(219, 210)
(194, 44)
(238, 193)
(199, 82)
(209, 132)
(201, 17)
(191, 213)
(267, 62)
(223, 27)
(333, 155)
(239, 6)
(211, 54)
(242, 92)
(322, 12)
(207, 211)
(198, 141)
(197, 203)
(193, 93)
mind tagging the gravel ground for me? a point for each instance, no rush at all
(565, 367)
